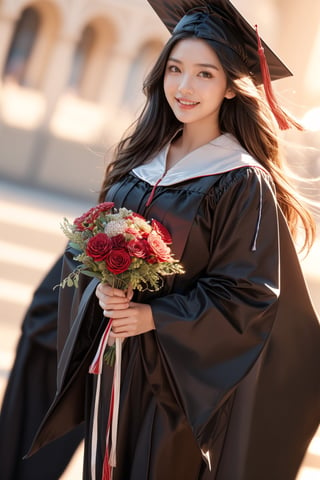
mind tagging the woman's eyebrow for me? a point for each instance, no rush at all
(203, 65)
(207, 65)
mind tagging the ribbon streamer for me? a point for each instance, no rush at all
(96, 368)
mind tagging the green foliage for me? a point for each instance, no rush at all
(110, 356)
(140, 276)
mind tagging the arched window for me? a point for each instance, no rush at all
(90, 57)
(143, 62)
(81, 58)
(21, 47)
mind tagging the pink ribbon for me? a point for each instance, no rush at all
(109, 461)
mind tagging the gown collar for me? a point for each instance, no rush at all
(220, 155)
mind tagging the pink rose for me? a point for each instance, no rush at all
(133, 231)
(98, 247)
(118, 260)
(138, 248)
(159, 248)
(162, 231)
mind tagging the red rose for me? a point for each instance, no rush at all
(98, 247)
(159, 248)
(138, 248)
(118, 260)
(162, 231)
(118, 241)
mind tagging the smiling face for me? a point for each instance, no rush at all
(195, 84)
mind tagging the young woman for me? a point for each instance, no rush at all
(219, 368)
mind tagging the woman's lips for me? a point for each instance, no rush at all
(187, 104)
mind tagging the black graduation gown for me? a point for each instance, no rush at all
(30, 391)
(230, 374)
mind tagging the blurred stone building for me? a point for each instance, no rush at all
(72, 71)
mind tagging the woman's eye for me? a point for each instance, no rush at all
(205, 74)
(173, 68)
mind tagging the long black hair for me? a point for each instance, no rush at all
(247, 116)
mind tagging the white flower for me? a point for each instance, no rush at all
(115, 227)
(141, 224)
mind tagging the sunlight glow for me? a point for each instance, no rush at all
(311, 120)
(77, 119)
(22, 107)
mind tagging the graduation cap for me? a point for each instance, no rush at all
(262, 62)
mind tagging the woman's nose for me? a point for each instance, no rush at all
(185, 85)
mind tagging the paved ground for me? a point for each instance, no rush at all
(30, 241)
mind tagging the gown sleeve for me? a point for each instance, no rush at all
(210, 336)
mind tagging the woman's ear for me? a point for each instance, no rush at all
(229, 94)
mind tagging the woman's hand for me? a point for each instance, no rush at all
(128, 318)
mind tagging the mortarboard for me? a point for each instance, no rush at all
(171, 12)
(262, 62)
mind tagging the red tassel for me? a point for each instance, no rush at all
(283, 120)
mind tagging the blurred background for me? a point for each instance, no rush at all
(71, 75)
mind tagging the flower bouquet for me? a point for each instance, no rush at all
(122, 249)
